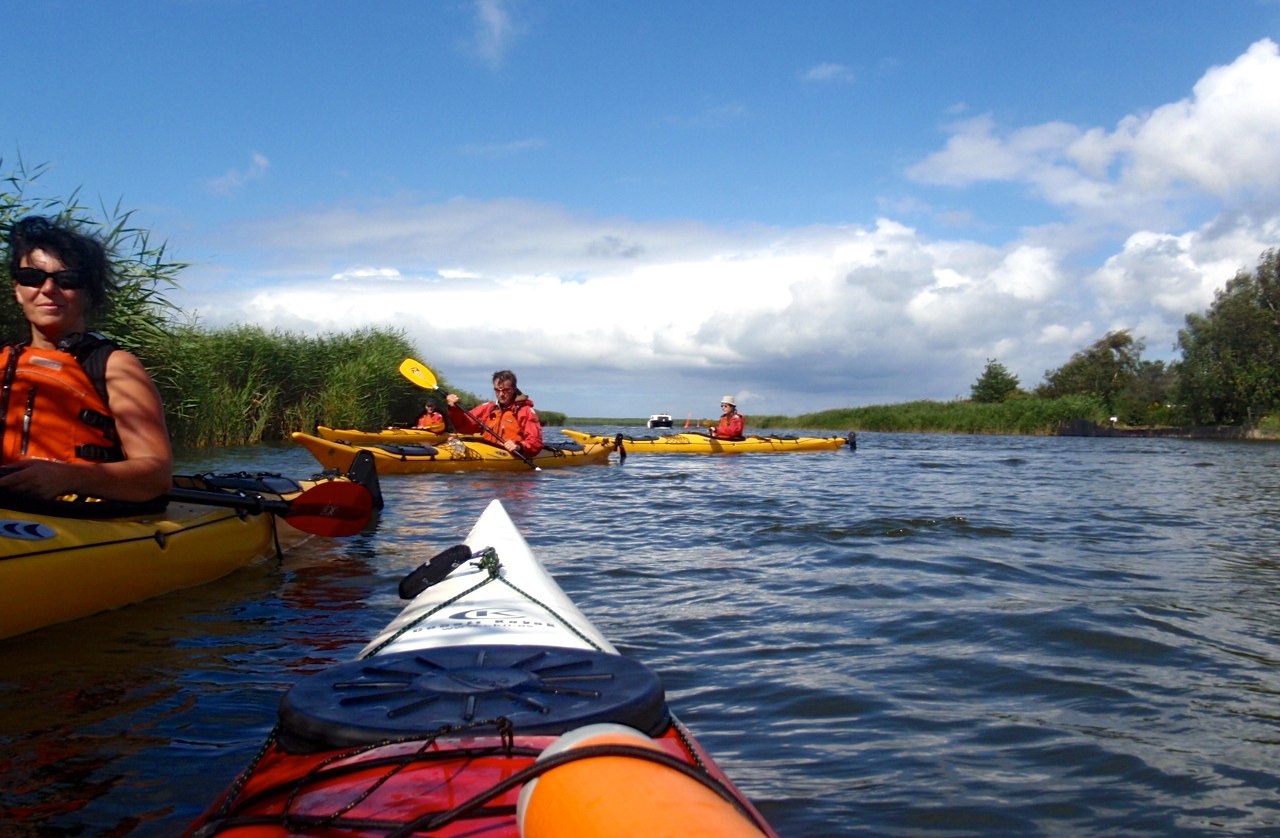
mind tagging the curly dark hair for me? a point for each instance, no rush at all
(78, 251)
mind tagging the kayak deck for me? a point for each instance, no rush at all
(447, 785)
(458, 718)
(386, 436)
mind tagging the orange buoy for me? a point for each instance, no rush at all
(610, 795)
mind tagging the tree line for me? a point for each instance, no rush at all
(1229, 372)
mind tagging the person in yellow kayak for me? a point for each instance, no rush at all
(78, 414)
(431, 419)
(731, 421)
(510, 417)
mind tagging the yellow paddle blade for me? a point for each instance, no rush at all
(418, 373)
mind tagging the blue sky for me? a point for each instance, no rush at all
(641, 207)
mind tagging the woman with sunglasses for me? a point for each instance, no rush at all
(731, 421)
(510, 417)
(80, 415)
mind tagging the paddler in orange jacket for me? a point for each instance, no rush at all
(430, 420)
(731, 421)
(78, 415)
(511, 417)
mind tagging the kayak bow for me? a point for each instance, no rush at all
(489, 706)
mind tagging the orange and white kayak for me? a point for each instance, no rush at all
(490, 706)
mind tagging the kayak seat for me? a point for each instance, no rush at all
(541, 690)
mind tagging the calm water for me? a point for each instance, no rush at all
(933, 635)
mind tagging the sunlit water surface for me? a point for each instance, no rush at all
(931, 635)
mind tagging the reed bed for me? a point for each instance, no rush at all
(244, 385)
(1017, 416)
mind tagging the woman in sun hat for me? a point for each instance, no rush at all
(731, 421)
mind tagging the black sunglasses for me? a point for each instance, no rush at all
(68, 280)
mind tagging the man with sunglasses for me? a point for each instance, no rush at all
(510, 417)
(78, 415)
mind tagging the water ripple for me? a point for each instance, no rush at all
(932, 635)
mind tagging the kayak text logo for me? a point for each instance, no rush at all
(488, 614)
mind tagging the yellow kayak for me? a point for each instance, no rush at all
(695, 443)
(61, 560)
(467, 453)
(386, 436)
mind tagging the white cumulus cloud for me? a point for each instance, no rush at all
(628, 316)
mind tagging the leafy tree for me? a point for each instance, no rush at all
(1146, 398)
(995, 384)
(1106, 369)
(1231, 353)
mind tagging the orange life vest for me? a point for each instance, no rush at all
(730, 427)
(432, 421)
(53, 403)
(506, 421)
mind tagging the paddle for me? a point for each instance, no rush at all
(423, 377)
(333, 508)
(365, 472)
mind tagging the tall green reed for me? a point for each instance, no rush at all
(1016, 416)
(243, 385)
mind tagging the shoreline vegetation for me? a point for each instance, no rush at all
(1066, 416)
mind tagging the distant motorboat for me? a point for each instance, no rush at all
(660, 420)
